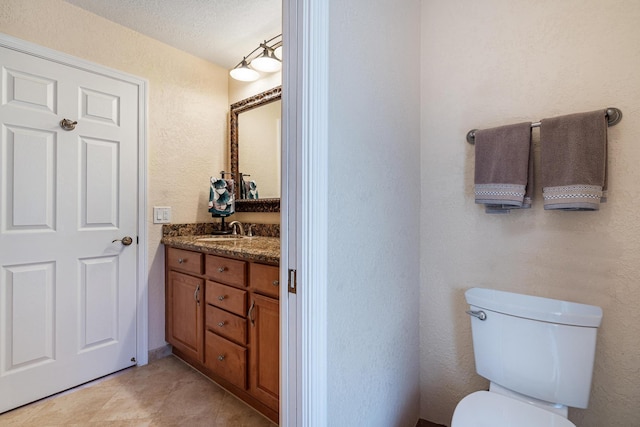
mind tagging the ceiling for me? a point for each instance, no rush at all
(220, 31)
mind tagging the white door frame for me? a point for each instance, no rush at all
(142, 327)
(304, 213)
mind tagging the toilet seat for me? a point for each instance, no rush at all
(487, 409)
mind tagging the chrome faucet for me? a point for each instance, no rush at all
(232, 226)
(250, 231)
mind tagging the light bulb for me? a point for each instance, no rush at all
(266, 62)
(243, 73)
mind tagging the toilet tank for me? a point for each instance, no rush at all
(539, 347)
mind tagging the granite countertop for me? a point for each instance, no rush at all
(261, 249)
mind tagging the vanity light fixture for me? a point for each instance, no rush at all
(243, 73)
(267, 61)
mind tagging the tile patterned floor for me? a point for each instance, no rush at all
(166, 392)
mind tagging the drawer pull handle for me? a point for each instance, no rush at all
(196, 295)
(221, 297)
(221, 324)
(276, 283)
(180, 261)
(221, 269)
(221, 357)
(250, 313)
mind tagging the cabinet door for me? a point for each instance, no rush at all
(184, 313)
(264, 352)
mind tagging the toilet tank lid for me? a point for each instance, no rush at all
(536, 308)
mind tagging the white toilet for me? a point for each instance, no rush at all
(537, 354)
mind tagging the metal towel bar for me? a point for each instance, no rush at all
(614, 115)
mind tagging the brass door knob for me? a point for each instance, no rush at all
(126, 240)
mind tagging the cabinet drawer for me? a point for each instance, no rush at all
(226, 359)
(225, 270)
(178, 259)
(226, 324)
(265, 279)
(226, 297)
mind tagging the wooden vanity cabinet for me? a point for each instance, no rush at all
(184, 321)
(223, 318)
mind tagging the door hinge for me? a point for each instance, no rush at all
(293, 283)
(137, 240)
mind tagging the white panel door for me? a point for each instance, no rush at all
(67, 291)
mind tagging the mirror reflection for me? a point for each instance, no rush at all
(259, 151)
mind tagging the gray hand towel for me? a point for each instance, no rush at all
(504, 168)
(573, 158)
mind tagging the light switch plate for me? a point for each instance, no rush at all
(161, 214)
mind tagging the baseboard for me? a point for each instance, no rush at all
(159, 353)
(425, 423)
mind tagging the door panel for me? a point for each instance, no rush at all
(98, 302)
(68, 286)
(29, 91)
(99, 107)
(29, 196)
(28, 307)
(99, 183)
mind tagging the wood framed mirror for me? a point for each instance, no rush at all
(255, 149)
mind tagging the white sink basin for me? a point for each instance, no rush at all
(223, 238)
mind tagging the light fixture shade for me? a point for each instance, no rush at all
(278, 52)
(266, 62)
(243, 73)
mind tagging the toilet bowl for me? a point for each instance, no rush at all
(538, 355)
(487, 409)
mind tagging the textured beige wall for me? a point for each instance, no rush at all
(503, 61)
(373, 203)
(187, 115)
